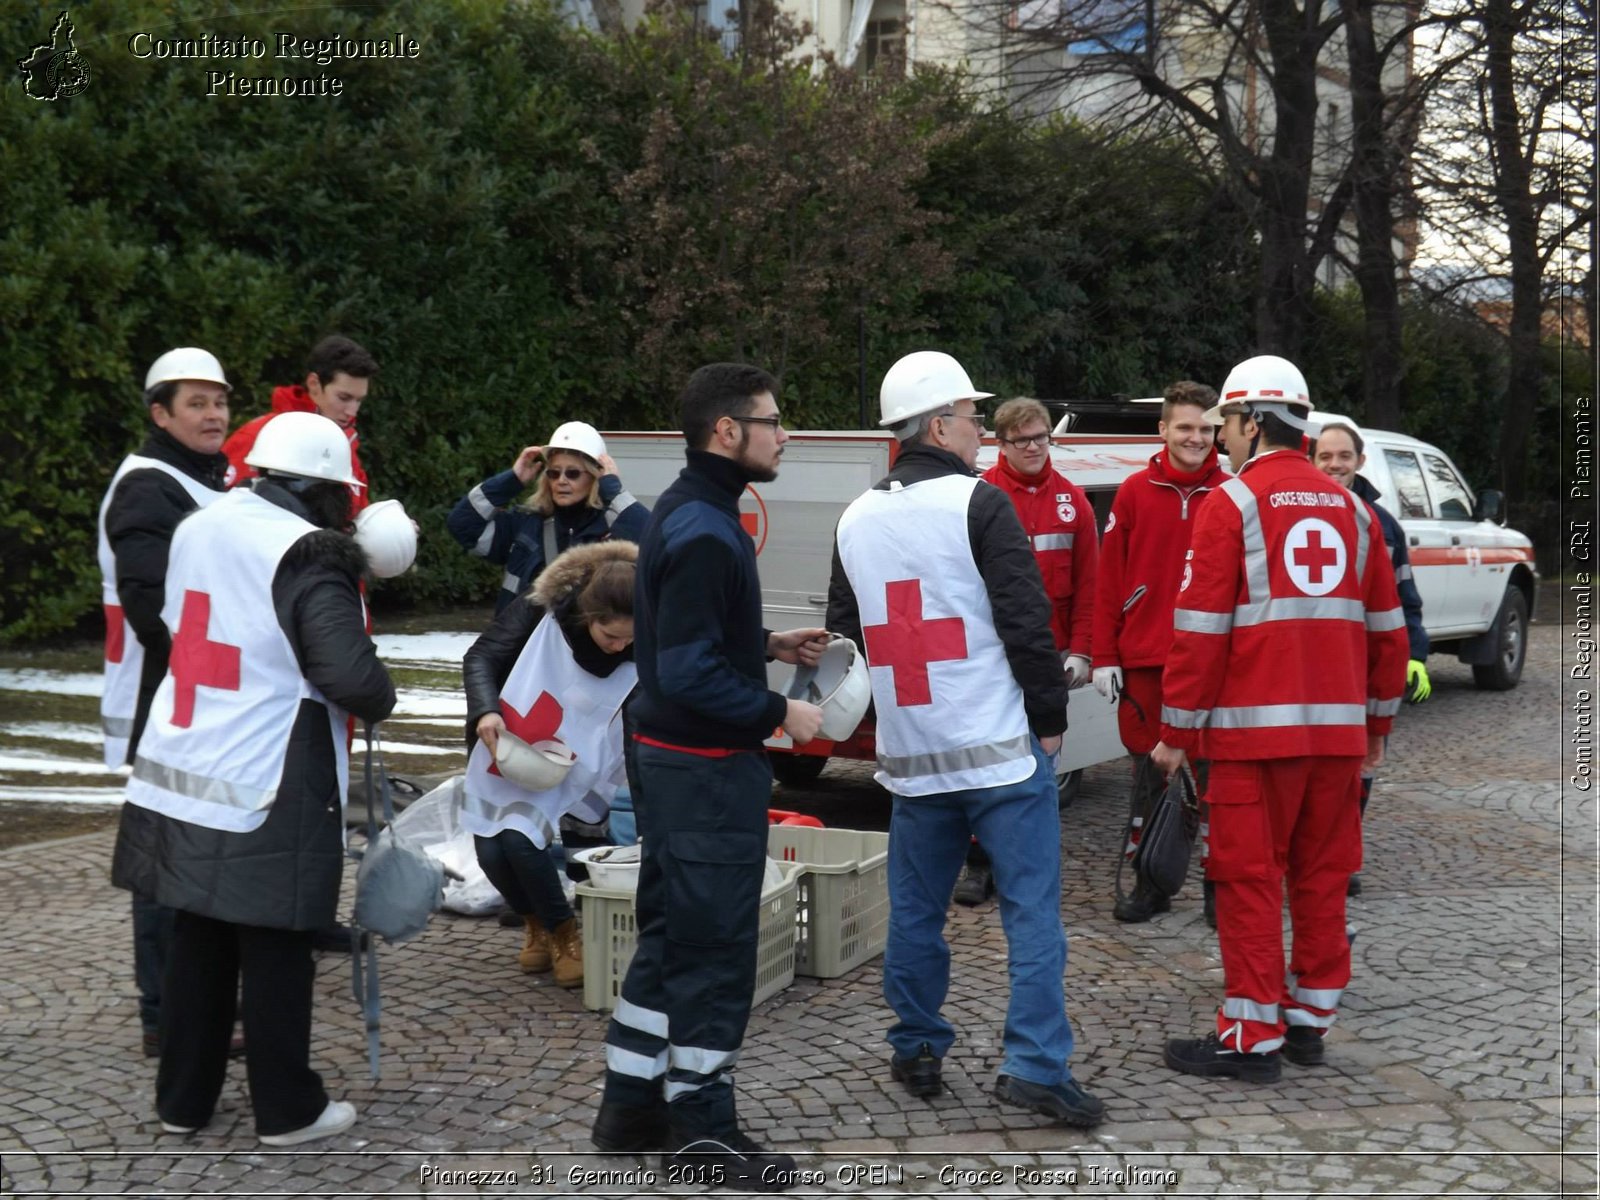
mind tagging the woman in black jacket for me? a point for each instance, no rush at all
(556, 664)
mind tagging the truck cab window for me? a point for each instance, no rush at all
(1411, 495)
(1450, 495)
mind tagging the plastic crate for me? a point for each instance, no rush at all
(843, 907)
(611, 935)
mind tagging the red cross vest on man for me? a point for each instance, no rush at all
(213, 750)
(548, 695)
(949, 711)
(124, 654)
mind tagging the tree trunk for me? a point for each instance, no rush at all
(1373, 178)
(1515, 200)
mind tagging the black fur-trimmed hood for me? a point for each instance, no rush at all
(563, 579)
(328, 548)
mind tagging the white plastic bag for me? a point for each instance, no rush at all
(433, 824)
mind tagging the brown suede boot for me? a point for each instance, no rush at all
(567, 944)
(535, 958)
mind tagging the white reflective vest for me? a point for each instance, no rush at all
(548, 695)
(950, 712)
(124, 654)
(218, 733)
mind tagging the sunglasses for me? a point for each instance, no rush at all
(568, 473)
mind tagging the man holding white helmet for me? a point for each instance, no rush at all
(178, 469)
(934, 578)
(242, 772)
(1287, 664)
(579, 499)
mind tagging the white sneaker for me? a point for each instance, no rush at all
(169, 1127)
(336, 1118)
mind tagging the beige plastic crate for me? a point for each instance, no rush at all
(610, 936)
(843, 906)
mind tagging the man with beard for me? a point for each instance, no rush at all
(933, 573)
(178, 469)
(1141, 565)
(701, 786)
(241, 775)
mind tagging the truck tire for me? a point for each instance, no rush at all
(1511, 645)
(796, 770)
(1067, 788)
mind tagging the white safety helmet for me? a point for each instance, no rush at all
(304, 444)
(579, 436)
(1266, 383)
(922, 382)
(839, 685)
(186, 362)
(389, 538)
(535, 768)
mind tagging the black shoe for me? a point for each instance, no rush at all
(1141, 906)
(1353, 888)
(975, 885)
(630, 1128)
(728, 1160)
(1065, 1102)
(510, 918)
(1208, 1056)
(337, 938)
(920, 1074)
(1302, 1046)
(1210, 890)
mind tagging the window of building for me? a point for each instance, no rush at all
(885, 42)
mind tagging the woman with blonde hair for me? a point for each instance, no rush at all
(556, 664)
(578, 499)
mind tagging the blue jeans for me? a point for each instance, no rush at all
(1020, 828)
(152, 946)
(526, 876)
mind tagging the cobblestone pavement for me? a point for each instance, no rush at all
(1463, 1063)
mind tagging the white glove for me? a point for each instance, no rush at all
(1077, 670)
(1108, 682)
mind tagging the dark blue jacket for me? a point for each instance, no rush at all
(697, 632)
(484, 525)
(1395, 538)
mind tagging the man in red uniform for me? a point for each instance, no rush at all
(1287, 666)
(1141, 562)
(338, 373)
(1059, 523)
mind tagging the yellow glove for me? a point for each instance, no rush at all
(1418, 686)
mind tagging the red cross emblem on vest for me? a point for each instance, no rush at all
(1314, 556)
(538, 724)
(116, 633)
(906, 643)
(196, 660)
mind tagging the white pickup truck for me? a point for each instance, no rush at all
(1477, 579)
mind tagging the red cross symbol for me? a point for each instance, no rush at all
(907, 644)
(196, 660)
(538, 724)
(116, 633)
(1313, 556)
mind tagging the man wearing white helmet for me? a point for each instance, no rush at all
(934, 578)
(578, 499)
(178, 469)
(1287, 664)
(241, 775)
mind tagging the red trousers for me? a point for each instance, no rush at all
(1139, 713)
(1294, 819)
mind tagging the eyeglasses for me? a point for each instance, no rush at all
(1038, 439)
(771, 422)
(568, 473)
(975, 418)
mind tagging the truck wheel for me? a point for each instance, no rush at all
(796, 770)
(1067, 788)
(1511, 625)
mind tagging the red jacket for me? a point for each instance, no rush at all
(1143, 547)
(1289, 639)
(1060, 526)
(288, 399)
